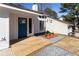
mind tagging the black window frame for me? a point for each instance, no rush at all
(41, 25)
(30, 25)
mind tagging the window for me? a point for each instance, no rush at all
(30, 25)
(39, 16)
(22, 20)
(45, 17)
(41, 25)
(42, 16)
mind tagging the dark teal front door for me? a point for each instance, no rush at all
(22, 27)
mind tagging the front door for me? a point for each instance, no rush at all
(22, 27)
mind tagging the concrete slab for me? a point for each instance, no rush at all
(53, 51)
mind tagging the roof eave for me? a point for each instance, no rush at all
(18, 9)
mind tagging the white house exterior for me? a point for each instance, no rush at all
(12, 18)
(57, 26)
(16, 23)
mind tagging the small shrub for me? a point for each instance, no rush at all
(52, 33)
(48, 32)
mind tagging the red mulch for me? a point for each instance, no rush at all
(49, 36)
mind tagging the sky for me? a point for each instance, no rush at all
(55, 7)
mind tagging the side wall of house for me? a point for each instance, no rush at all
(4, 29)
(57, 27)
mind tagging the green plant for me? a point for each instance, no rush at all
(48, 32)
(52, 33)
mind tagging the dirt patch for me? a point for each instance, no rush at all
(26, 46)
(70, 44)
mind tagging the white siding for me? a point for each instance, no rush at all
(57, 27)
(14, 25)
(4, 29)
(37, 25)
(13, 16)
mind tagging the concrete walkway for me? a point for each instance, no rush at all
(53, 50)
(56, 39)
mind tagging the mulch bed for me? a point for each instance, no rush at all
(49, 36)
